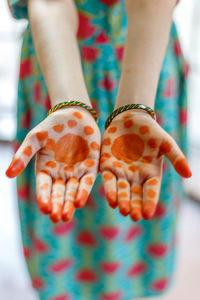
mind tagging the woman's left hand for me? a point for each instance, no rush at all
(131, 163)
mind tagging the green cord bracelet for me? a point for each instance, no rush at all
(74, 103)
(127, 107)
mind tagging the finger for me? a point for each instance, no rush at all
(110, 187)
(136, 202)
(57, 199)
(123, 194)
(43, 191)
(151, 191)
(84, 190)
(26, 151)
(172, 151)
(70, 195)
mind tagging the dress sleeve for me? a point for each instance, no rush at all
(18, 8)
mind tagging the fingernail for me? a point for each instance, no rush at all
(15, 168)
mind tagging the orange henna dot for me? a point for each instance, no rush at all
(41, 135)
(122, 185)
(128, 147)
(108, 176)
(88, 181)
(69, 149)
(73, 180)
(88, 130)
(51, 164)
(103, 159)
(182, 168)
(71, 123)
(72, 194)
(106, 142)
(112, 129)
(133, 168)
(165, 147)
(136, 214)
(56, 212)
(105, 156)
(144, 129)
(153, 181)
(69, 168)
(136, 190)
(151, 193)
(44, 204)
(89, 163)
(77, 114)
(58, 127)
(95, 146)
(152, 143)
(116, 164)
(123, 195)
(28, 151)
(68, 211)
(16, 167)
(137, 202)
(147, 159)
(128, 124)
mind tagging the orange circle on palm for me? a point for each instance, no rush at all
(128, 147)
(69, 149)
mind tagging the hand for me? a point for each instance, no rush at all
(131, 163)
(67, 147)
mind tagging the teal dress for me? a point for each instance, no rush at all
(100, 255)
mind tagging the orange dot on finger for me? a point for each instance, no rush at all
(44, 204)
(133, 168)
(89, 163)
(111, 196)
(122, 185)
(69, 168)
(151, 193)
(88, 180)
(106, 142)
(147, 159)
(95, 146)
(182, 168)
(152, 143)
(28, 151)
(71, 123)
(136, 190)
(165, 147)
(56, 212)
(108, 176)
(153, 181)
(88, 130)
(136, 214)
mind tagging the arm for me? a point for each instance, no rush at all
(54, 25)
(149, 23)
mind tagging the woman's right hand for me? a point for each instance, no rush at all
(67, 146)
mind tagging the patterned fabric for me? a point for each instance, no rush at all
(101, 255)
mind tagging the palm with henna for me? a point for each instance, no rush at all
(131, 163)
(67, 147)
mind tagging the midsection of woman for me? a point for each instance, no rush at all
(100, 254)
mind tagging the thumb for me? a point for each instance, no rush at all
(26, 151)
(172, 151)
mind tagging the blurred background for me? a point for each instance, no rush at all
(14, 280)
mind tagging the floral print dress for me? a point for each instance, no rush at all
(100, 255)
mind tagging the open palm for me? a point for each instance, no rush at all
(67, 146)
(131, 163)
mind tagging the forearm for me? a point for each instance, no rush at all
(149, 23)
(54, 25)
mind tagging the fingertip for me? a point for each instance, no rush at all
(15, 168)
(56, 212)
(81, 199)
(124, 208)
(148, 210)
(68, 211)
(136, 215)
(45, 205)
(181, 166)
